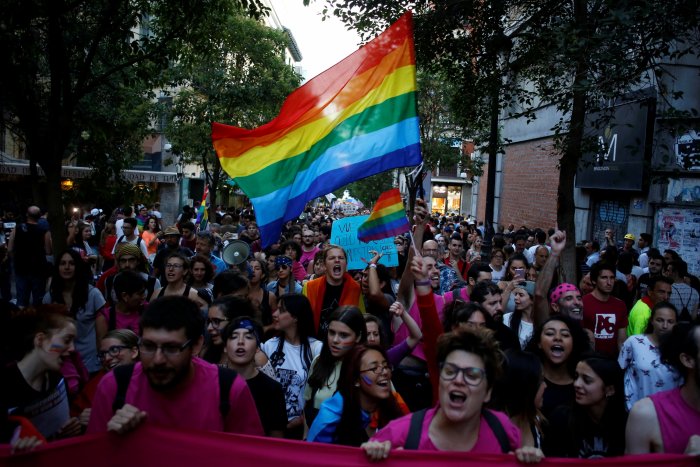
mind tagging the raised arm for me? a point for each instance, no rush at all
(414, 332)
(544, 279)
(375, 293)
(406, 290)
(430, 321)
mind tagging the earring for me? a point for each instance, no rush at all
(357, 385)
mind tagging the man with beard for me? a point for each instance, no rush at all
(448, 276)
(669, 421)
(488, 295)
(659, 290)
(128, 257)
(167, 386)
(308, 249)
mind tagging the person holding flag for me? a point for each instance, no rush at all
(202, 221)
(388, 219)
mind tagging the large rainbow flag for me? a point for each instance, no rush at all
(388, 218)
(356, 119)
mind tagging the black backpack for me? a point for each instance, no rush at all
(122, 375)
(416, 428)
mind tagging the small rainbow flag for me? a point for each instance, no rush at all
(356, 119)
(388, 218)
(203, 214)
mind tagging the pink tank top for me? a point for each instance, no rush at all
(677, 420)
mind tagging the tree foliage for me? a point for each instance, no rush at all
(241, 80)
(511, 58)
(62, 59)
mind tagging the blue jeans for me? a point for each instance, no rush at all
(34, 286)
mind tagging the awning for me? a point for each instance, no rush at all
(135, 176)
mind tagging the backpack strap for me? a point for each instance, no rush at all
(415, 429)
(112, 318)
(226, 379)
(122, 375)
(498, 430)
(150, 285)
(109, 286)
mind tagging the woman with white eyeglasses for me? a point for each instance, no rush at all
(470, 362)
(177, 269)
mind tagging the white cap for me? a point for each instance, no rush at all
(96, 212)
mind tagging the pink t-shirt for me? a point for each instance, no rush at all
(402, 333)
(194, 406)
(487, 443)
(124, 321)
(308, 256)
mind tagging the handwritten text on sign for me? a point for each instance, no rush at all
(344, 233)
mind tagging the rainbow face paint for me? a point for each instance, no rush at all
(368, 381)
(57, 348)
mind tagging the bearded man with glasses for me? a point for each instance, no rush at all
(167, 385)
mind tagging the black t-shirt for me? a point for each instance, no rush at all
(557, 395)
(570, 432)
(29, 251)
(269, 400)
(331, 300)
(46, 409)
(506, 337)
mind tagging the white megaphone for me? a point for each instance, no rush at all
(235, 252)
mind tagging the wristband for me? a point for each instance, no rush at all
(419, 283)
(372, 265)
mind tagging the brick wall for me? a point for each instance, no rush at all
(529, 185)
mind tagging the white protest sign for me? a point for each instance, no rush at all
(344, 233)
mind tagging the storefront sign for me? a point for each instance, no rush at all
(623, 146)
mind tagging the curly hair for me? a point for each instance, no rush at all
(477, 342)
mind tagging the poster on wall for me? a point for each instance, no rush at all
(679, 230)
(688, 150)
(683, 190)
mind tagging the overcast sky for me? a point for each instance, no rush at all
(322, 43)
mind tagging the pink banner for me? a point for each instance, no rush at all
(150, 445)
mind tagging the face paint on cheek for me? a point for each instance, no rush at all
(367, 380)
(57, 348)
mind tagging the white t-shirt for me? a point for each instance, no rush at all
(118, 227)
(497, 275)
(291, 372)
(525, 331)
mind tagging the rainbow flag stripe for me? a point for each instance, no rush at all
(388, 218)
(356, 119)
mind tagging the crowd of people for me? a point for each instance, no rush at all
(462, 346)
